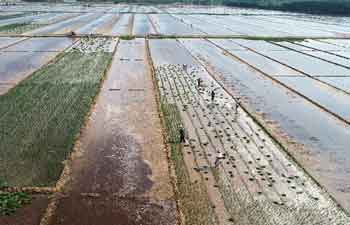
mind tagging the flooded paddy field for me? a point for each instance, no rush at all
(94, 99)
(190, 21)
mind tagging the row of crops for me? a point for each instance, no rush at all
(42, 116)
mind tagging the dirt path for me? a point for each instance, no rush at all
(121, 173)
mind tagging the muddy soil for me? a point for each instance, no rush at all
(120, 170)
(29, 214)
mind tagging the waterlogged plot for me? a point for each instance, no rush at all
(288, 116)
(20, 60)
(68, 25)
(170, 25)
(41, 117)
(124, 25)
(342, 83)
(255, 182)
(301, 62)
(143, 25)
(204, 26)
(257, 61)
(331, 99)
(327, 97)
(337, 58)
(307, 64)
(92, 27)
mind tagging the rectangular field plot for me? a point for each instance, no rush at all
(41, 44)
(124, 25)
(41, 117)
(95, 25)
(169, 25)
(204, 26)
(143, 25)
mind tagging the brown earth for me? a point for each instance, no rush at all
(120, 172)
(29, 214)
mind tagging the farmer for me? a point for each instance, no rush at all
(182, 135)
(184, 67)
(212, 95)
(199, 82)
(219, 156)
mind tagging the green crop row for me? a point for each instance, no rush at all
(193, 197)
(41, 117)
(10, 202)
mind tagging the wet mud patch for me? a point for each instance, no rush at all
(106, 210)
(113, 165)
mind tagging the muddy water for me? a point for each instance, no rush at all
(325, 140)
(121, 160)
(20, 60)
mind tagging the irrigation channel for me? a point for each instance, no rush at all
(92, 101)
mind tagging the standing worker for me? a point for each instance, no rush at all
(199, 82)
(218, 158)
(212, 95)
(182, 135)
(184, 67)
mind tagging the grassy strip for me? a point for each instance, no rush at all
(19, 28)
(193, 197)
(40, 118)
